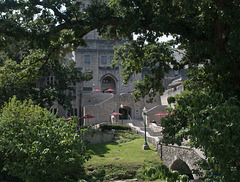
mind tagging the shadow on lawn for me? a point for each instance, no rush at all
(100, 149)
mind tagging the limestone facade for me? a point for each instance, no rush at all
(97, 57)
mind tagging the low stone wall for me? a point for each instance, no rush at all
(101, 137)
(155, 127)
(150, 139)
(169, 154)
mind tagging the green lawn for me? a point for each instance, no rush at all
(120, 159)
(129, 153)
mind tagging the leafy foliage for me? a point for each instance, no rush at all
(207, 31)
(203, 29)
(22, 67)
(35, 146)
(159, 171)
(153, 60)
(206, 114)
(15, 80)
(210, 122)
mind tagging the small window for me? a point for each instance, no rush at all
(104, 60)
(51, 80)
(72, 84)
(106, 80)
(176, 72)
(74, 110)
(87, 89)
(87, 59)
(87, 70)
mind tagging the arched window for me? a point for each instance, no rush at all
(108, 82)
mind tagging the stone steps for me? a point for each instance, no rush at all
(140, 125)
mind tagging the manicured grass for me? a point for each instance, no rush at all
(129, 153)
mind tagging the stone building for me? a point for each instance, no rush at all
(97, 57)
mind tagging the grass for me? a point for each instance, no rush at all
(122, 158)
(129, 153)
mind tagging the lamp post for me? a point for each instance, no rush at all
(121, 106)
(145, 145)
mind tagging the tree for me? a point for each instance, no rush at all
(19, 77)
(33, 35)
(13, 82)
(206, 114)
(207, 30)
(36, 146)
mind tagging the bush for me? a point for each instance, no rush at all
(150, 171)
(36, 146)
(108, 172)
(109, 127)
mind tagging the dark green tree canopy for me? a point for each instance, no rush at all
(33, 35)
(207, 112)
(207, 31)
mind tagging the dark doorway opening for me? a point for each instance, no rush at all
(125, 111)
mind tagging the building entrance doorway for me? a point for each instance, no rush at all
(126, 112)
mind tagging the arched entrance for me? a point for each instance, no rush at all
(108, 82)
(125, 111)
(182, 168)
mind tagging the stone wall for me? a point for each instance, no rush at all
(170, 154)
(101, 105)
(171, 92)
(101, 137)
(150, 114)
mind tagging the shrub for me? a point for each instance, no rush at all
(36, 146)
(109, 127)
(150, 171)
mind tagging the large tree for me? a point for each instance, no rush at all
(207, 31)
(31, 50)
(207, 113)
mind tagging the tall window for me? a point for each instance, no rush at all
(111, 59)
(74, 112)
(87, 59)
(104, 60)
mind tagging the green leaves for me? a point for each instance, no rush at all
(35, 146)
(161, 172)
(210, 122)
(153, 60)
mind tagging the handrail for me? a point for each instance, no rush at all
(109, 98)
(154, 107)
(129, 117)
